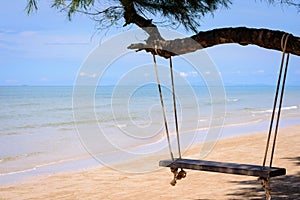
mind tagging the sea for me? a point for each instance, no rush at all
(53, 129)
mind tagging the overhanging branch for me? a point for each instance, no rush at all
(265, 38)
(131, 16)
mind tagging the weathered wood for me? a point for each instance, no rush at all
(223, 167)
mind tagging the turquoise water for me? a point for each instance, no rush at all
(38, 128)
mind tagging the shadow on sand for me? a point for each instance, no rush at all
(284, 187)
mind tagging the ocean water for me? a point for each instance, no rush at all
(47, 129)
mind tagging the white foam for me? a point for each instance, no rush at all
(121, 125)
(233, 99)
(276, 110)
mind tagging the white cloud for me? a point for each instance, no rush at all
(39, 44)
(185, 74)
(84, 74)
(11, 81)
(236, 72)
(43, 79)
(28, 33)
(193, 73)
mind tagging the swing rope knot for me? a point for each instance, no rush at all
(177, 175)
(284, 40)
(155, 49)
(181, 174)
(265, 182)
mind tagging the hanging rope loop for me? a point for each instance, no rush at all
(175, 108)
(279, 94)
(181, 174)
(163, 108)
(282, 70)
(282, 93)
(284, 40)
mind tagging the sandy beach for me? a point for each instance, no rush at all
(105, 183)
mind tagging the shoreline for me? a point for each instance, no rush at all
(105, 183)
(89, 163)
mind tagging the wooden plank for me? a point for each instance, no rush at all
(223, 167)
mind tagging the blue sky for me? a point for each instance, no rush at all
(47, 49)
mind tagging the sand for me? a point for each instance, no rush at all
(105, 183)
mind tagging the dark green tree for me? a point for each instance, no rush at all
(187, 13)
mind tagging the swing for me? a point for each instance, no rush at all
(263, 172)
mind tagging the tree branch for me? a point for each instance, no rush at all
(265, 38)
(131, 16)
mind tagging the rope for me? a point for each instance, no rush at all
(283, 46)
(265, 183)
(175, 109)
(181, 174)
(163, 107)
(177, 175)
(281, 99)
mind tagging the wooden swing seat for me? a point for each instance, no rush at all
(223, 167)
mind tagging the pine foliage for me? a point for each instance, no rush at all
(187, 13)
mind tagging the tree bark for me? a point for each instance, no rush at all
(265, 38)
(131, 16)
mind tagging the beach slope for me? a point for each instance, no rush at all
(104, 183)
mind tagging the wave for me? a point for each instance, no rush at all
(229, 125)
(48, 124)
(33, 168)
(202, 120)
(271, 110)
(121, 125)
(17, 157)
(18, 172)
(232, 99)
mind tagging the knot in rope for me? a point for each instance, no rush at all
(284, 40)
(155, 49)
(177, 175)
(265, 182)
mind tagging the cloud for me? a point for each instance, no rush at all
(43, 44)
(183, 74)
(28, 33)
(236, 72)
(193, 73)
(11, 81)
(84, 74)
(66, 43)
(186, 74)
(43, 79)
(7, 31)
